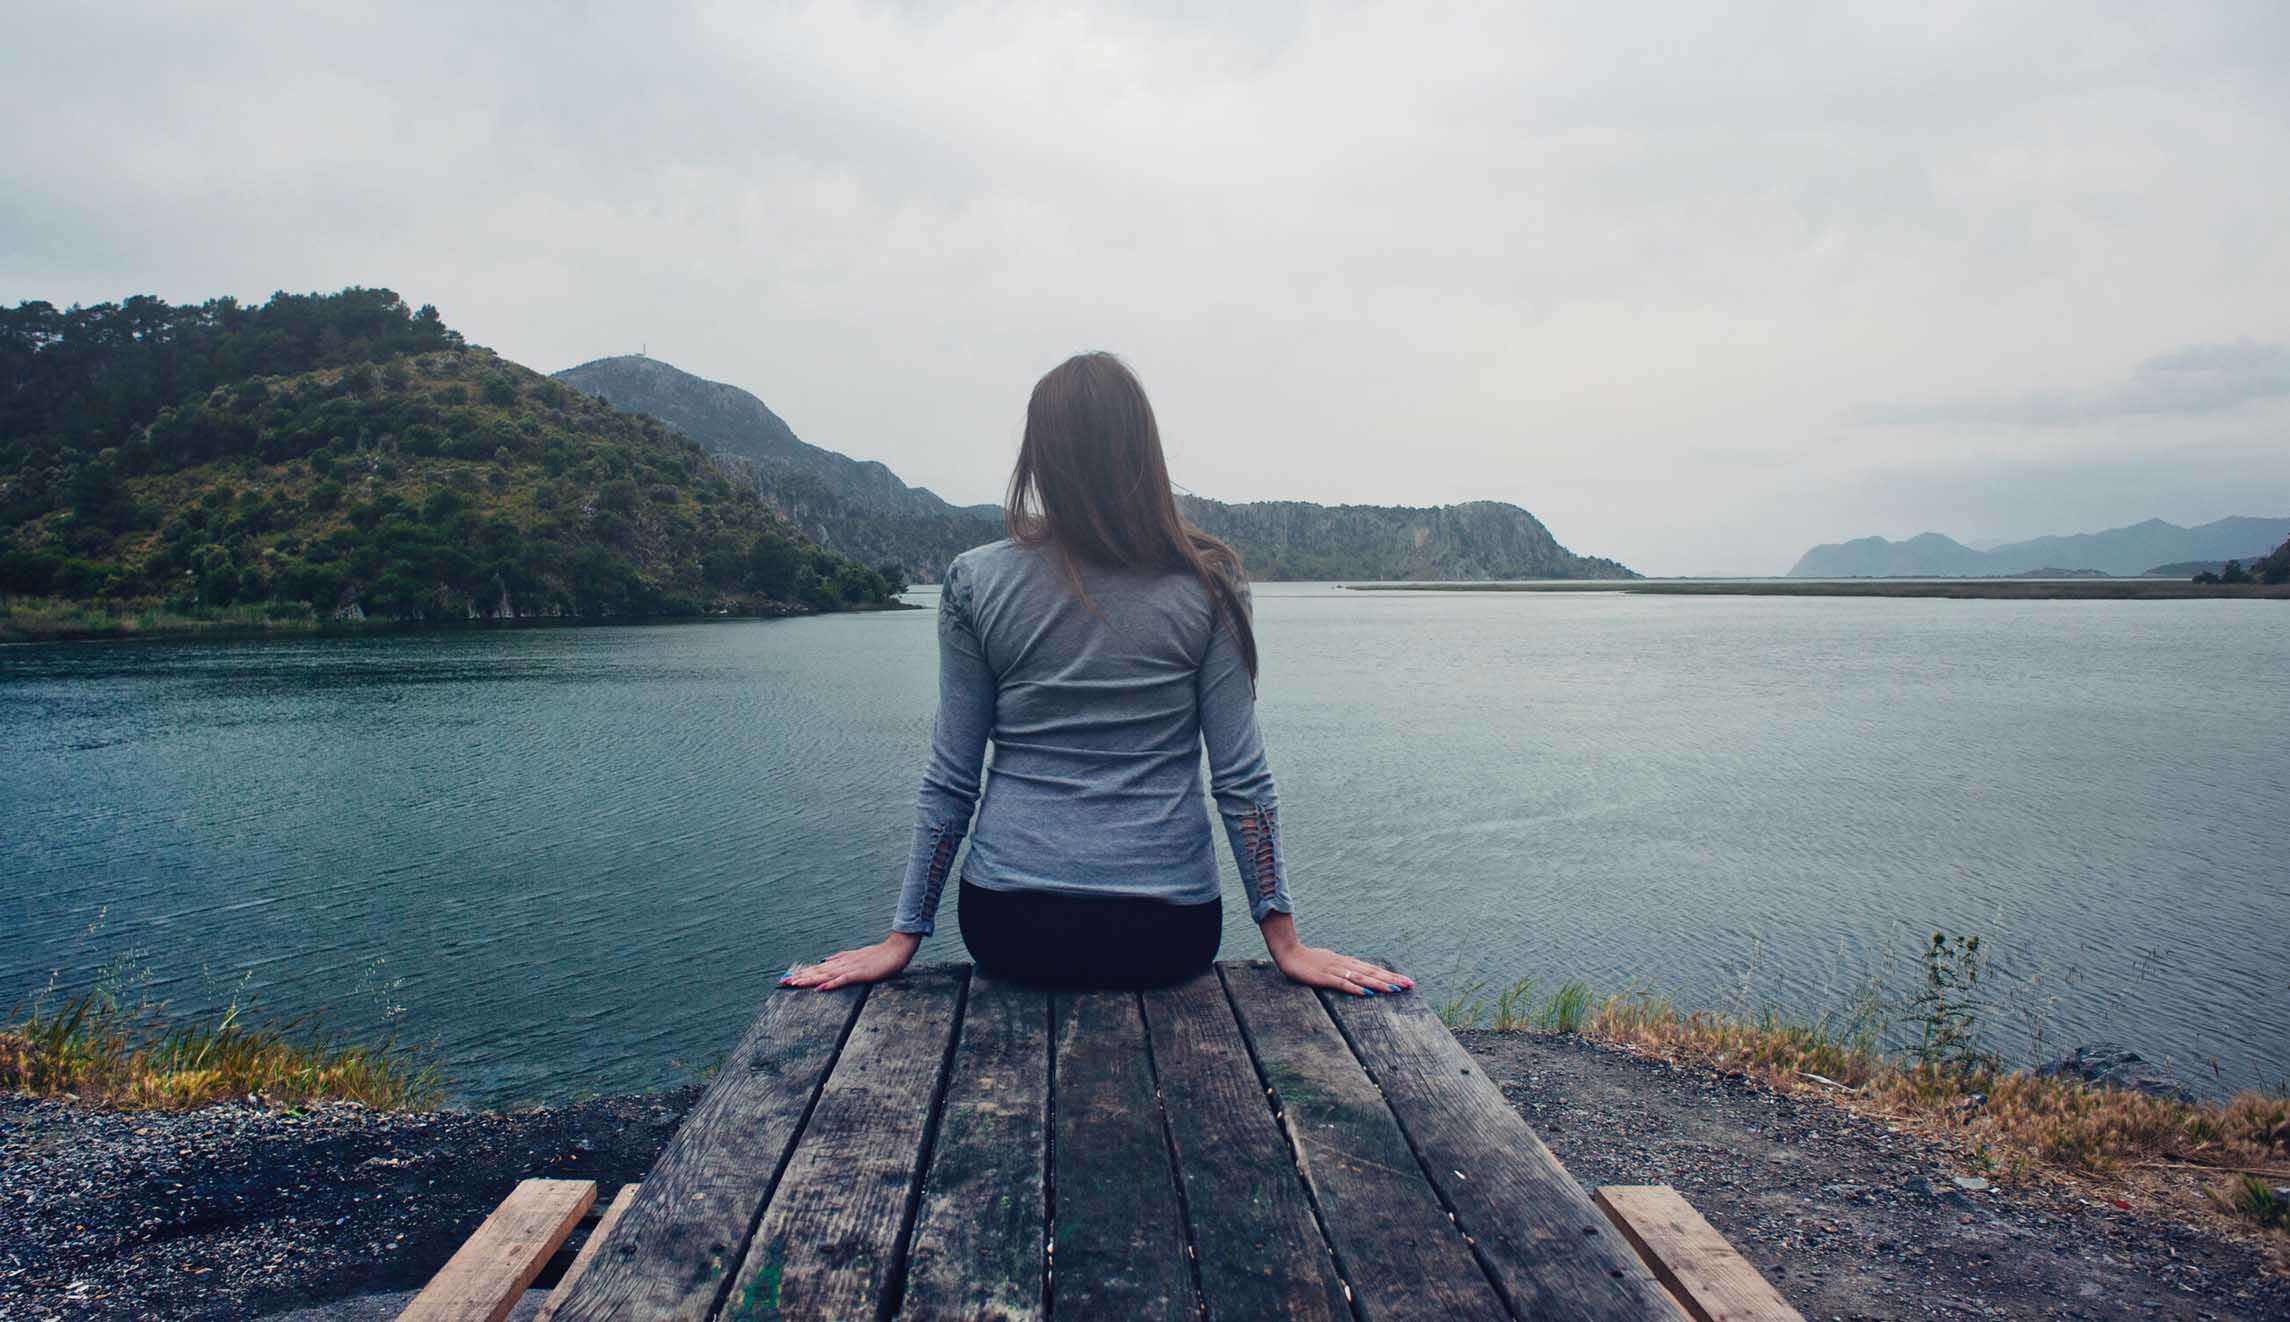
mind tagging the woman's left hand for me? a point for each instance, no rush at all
(872, 963)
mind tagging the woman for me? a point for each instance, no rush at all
(1099, 647)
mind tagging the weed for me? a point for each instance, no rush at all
(1945, 1010)
(1465, 1009)
(1511, 1006)
(101, 1049)
(1567, 1010)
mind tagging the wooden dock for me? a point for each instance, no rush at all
(949, 1145)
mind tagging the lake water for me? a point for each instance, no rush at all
(576, 858)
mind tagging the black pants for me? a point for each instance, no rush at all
(1087, 940)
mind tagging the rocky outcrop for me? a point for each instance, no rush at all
(1483, 539)
(2112, 1065)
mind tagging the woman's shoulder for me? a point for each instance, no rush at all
(993, 568)
(990, 560)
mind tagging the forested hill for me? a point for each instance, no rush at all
(862, 508)
(346, 455)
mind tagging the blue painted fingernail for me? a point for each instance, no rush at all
(1393, 985)
(1367, 991)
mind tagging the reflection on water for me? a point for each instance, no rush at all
(578, 857)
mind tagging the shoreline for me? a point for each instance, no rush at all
(1973, 589)
(336, 1211)
(128, 627)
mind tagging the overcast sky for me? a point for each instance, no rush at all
(1700, 286)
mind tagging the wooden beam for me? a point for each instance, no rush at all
(1395, 1244)
(1545, 1246)
(1119, 1239)
(672, 1254)
(1711, 1280)
(828, 1245)
(979, 1232)
(490, 1272)
(581, 1260)
(1256, 1240)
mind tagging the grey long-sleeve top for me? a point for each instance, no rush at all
(1098, 712)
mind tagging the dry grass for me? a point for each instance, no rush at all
(98, 1051)
(2214, 1163)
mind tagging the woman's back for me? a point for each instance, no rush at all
(1097, 708)
(1096, 781)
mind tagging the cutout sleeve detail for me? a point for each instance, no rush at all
(1240, 778)
(950, 783)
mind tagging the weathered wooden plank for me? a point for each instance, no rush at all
(1395, 1244)
(486, 1277)
(1118, 1238)
(977, 1246)
(1711, 1280)
(1545, 1246)
(1257, 1245)
(671, 1254)
(604, 1224)
(829, 1242)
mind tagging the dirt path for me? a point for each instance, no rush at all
(1850, 1220)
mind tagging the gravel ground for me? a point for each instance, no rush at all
(1851, 1220)
(233, 1211)
(333, 1213)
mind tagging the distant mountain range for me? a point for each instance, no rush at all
(863, 510)
(2137, 549)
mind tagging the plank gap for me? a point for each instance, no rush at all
(1169, 1140)
(562, 1290)
(723, 1292)
(1050, 1164)
(1295, 1147)
(894, 1291)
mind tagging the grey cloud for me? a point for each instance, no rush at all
(1626, 265)
(2199, 379)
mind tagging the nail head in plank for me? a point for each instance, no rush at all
(1546, 1246)
(1713, 1281)
(828, 1242)
(1395, 1243)
(1258, 1246)
(670, 1255)
(620, 1204)
(976, 1250)
(1119, 1242)
(490, 1272)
